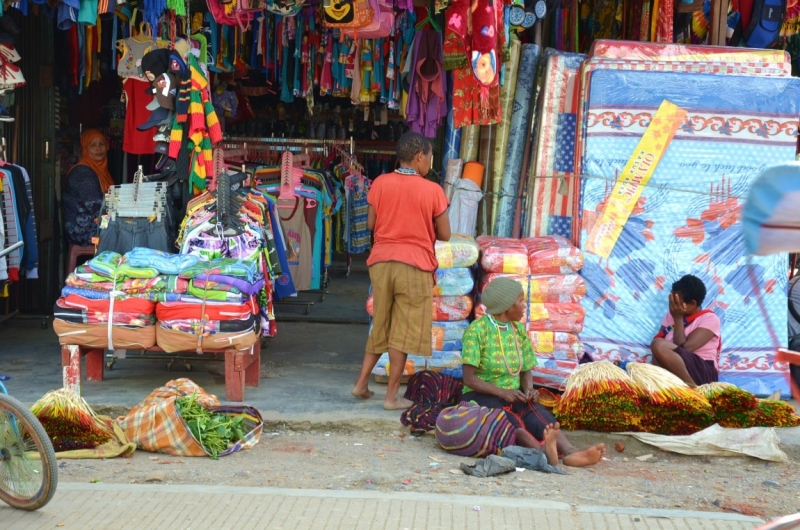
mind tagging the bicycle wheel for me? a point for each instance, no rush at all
(27, 480)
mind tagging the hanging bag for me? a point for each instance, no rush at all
(348, 14)
(381, 25)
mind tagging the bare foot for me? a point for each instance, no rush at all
(586, 457)
(398, 403)
(363, 393)
(550, 449)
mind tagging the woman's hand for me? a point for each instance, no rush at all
(676, 308)
(532, 395)
(512, 396)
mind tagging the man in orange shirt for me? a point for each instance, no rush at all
(407, 214)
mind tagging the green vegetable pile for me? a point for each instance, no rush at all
(214, 431)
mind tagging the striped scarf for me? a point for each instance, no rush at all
(195, 109)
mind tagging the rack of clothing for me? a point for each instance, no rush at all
(18, 238)
(354, 236)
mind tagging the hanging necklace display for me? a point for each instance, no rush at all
(510, 325)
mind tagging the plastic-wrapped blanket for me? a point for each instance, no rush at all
(552, 255)
(567, 318)
(448, 331)
(461, 251)
(552, 373)
(676, 225)
(449, 308)
(555, 345)
(503, 255)
(453, 282)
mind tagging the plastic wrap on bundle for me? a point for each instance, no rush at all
(450, 330)
(647, 51)
(450, 308)
(555, 345)
(551, 289)
(551, 373)
(439, 361)
(453, 282)
(461, 251)
(677, 225)
(567, 318)
(503, 255)
(552, 255)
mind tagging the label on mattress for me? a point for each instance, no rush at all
(634, 177)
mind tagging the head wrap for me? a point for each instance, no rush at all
(500, 295)
(100, 168)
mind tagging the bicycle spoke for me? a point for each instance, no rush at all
(20, 474)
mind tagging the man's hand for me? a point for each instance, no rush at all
(513, 396)
(676, 308)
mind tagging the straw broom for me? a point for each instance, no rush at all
(600, 396)
(671, 406)
(69, 421)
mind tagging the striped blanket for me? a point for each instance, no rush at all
(431, 392)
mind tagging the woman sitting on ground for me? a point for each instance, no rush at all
(688, 344)
(497, 357)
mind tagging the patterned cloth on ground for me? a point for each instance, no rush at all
(431, 392)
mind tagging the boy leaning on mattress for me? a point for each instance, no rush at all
(407, 214)
(689, 341)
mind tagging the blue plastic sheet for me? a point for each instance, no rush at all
(687, 219)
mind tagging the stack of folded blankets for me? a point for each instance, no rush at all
(147, 297)
(546, 267)
(110, 302)
(219, 309)
(452, 307)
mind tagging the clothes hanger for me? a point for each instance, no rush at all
(428, 20)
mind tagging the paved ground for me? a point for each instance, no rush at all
(109, 506)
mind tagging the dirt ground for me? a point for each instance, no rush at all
(386, 458)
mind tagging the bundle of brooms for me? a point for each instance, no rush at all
(735, 407)
(69, 421)
(600, 396)
(671, 407)
(728, 400)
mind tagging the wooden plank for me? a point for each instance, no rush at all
(71, 367)
(95, 360)
(252, 373)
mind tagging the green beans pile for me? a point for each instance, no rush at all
(215, 432)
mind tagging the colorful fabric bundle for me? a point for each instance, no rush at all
(600, 397)
(461, 251)
(431, 392)
(447, 331)
(473, 431)
(555, 317)
(671, 406)
(546, 289)
(446, 362)
(450, 308)
(69, 421)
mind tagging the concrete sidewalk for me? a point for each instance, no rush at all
(122, 506)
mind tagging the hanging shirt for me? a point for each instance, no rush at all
(133, 50)
(298, 240)
(137, 142)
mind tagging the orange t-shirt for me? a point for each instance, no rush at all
(405, 206)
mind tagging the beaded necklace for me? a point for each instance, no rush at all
(405, 171)
(497, 327)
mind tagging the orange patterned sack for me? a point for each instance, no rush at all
(552, 288)
(445, 308)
